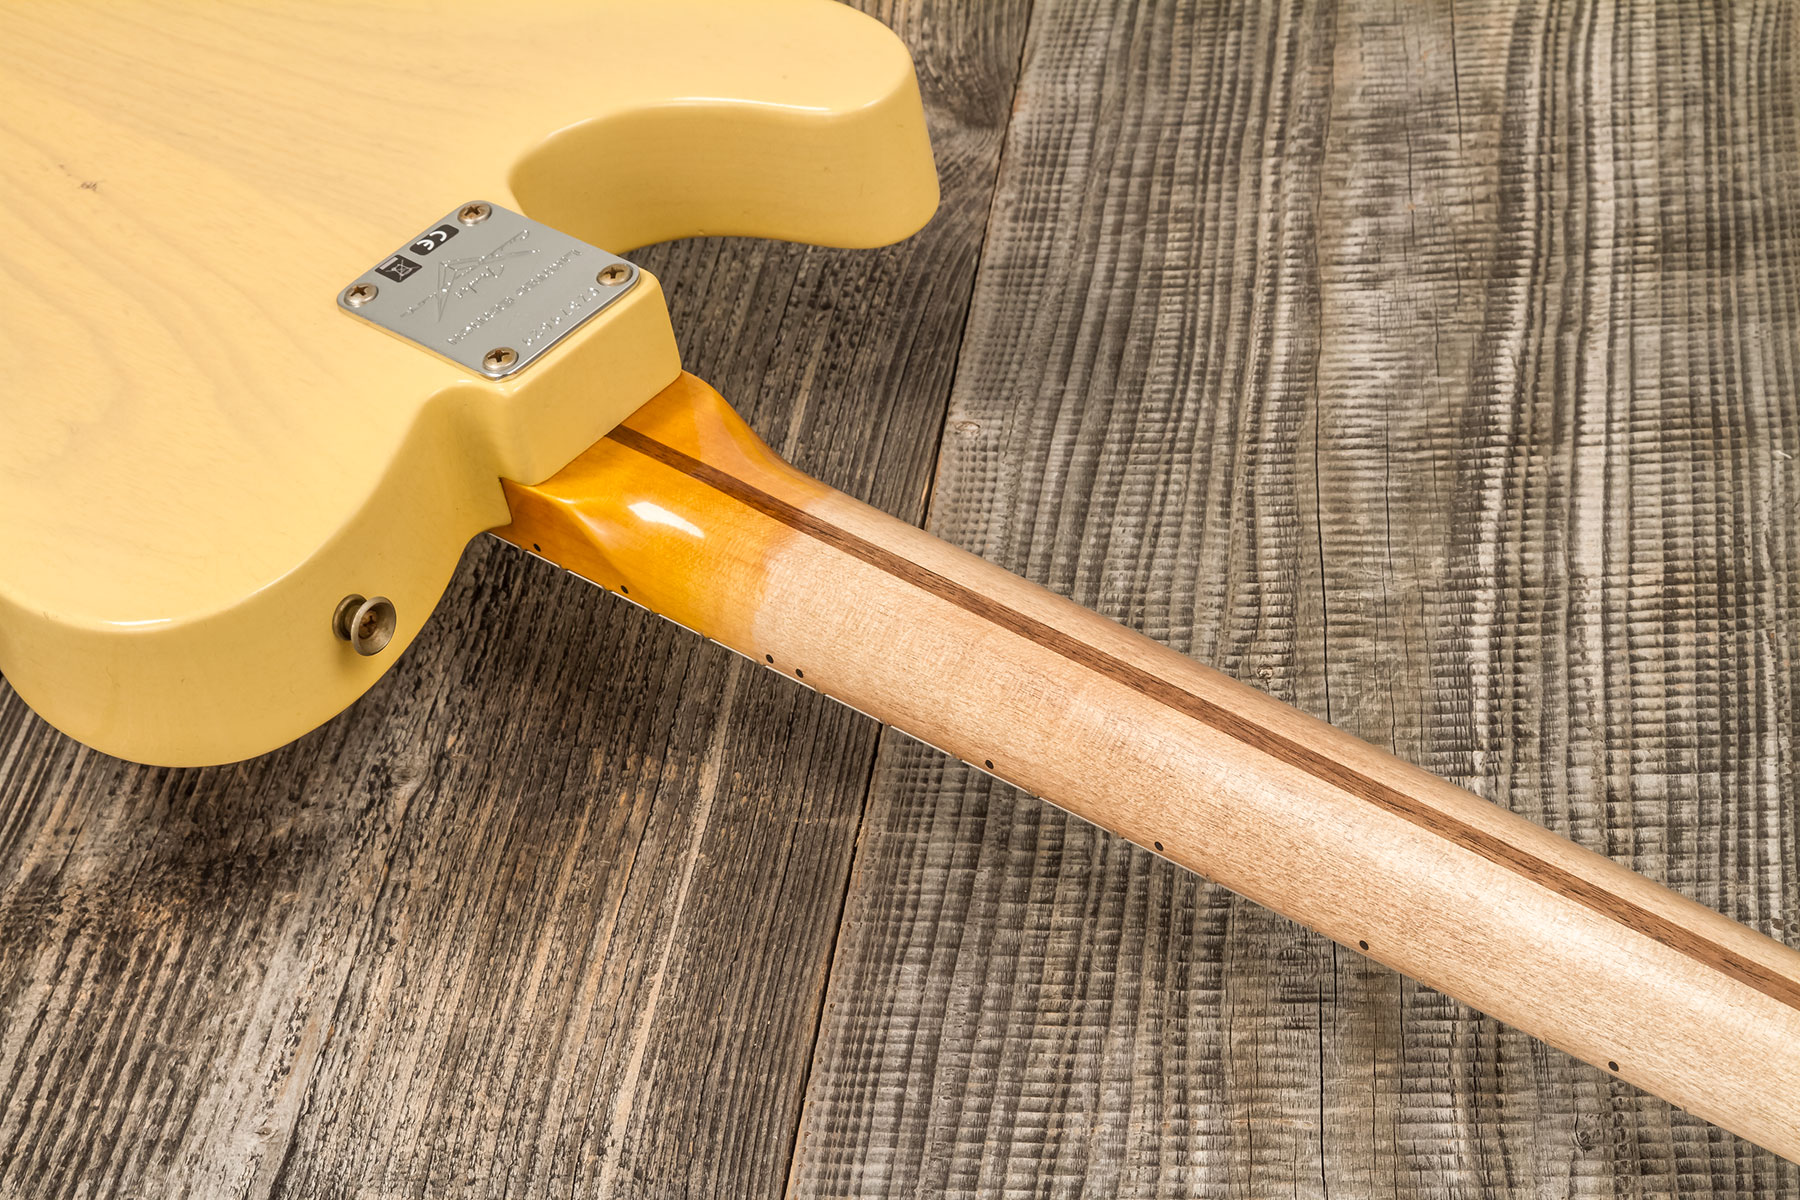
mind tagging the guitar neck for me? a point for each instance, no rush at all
(683, 510)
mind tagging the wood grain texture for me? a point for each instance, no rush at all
(549, 912)
(178, 496)
(1430, 368)
(684, 510)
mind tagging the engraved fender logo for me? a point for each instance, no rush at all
(464, 276)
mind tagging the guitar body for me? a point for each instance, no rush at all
(204, 454)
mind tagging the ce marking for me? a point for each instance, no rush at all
(429, 241)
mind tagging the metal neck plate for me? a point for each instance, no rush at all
(488, 288)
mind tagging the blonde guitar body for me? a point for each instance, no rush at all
(246, 300)
(202, 454)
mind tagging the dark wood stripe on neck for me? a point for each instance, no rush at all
(1558, 879)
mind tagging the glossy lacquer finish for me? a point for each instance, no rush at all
(201, 454)
(624, 518)
(685, 511)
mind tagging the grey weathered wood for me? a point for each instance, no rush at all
(1433, 368)
(549, 912)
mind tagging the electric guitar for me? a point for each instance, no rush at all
(281, 344)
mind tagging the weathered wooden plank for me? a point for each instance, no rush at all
(550, 911)
(1431, 367)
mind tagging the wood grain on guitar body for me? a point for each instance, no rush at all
(225, 421)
